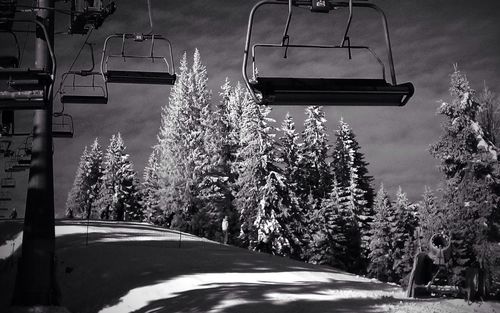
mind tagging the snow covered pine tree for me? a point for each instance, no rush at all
(83, 194)
(469, 162)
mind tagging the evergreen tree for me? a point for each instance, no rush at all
(351, 173)
(470, 166)
(151, 191)
(269, 232)
(74, 202)
(181, 142)
(235, 102)
(93, 177)
(350, 228)
(82, 197)
(431, 218)
(336, 242)
(215, 187)
(403, 238)
(254, 165)
(381, 260)
(118, 195)
(316, 177)
(489, 115)
(171, 153)
(290, 150)
(269, 216)
(290, 157)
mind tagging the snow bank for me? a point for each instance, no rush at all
(140, 297)
(146, 275)
(11, 246)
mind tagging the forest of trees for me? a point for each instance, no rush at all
(307, 195)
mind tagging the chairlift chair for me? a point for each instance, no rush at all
(7, 13)
(86, 14)
(27, 88)
(9, 167)
(8, 182)
(5, 195)
(10, 60)
(86, 92)
(162, 77)
(19, 162)
(8, 153)
(21, 165)
(62, 126)
(5, 145)
(10, 163)
(7, 125)
(3, 212)
(324, 91)
(78, 93)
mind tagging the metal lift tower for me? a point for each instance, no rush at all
(35, 281)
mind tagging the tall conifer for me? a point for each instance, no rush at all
(469, 162)
(381, 261)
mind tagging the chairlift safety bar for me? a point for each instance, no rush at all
(382, 65)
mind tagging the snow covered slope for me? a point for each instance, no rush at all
(135, 267)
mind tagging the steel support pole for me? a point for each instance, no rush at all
(35, 280)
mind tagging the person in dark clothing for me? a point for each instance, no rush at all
(13, 214)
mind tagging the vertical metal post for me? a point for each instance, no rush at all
(35, 280)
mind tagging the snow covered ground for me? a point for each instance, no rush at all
(135, 267)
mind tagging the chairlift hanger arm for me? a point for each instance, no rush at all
(315, 7)
(349, 19)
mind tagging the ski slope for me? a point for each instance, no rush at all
(136, 267)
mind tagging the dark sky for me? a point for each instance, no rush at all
(428, 37)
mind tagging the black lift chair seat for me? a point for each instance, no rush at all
(137, 77)
(332, 91)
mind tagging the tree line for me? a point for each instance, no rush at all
(294, 193)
